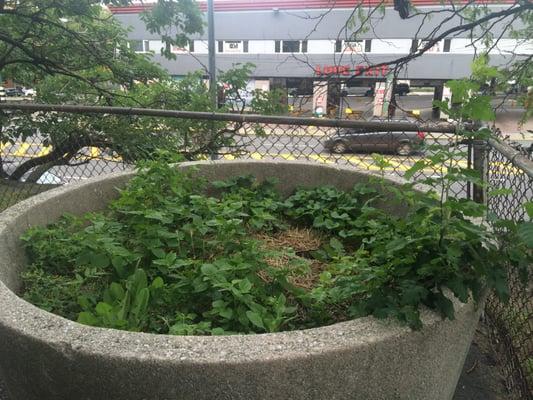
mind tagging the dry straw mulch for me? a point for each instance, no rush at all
(302, 241)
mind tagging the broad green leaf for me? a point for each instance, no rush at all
(87, 318)
(255, 319)
(99, 260)
(336, 245)
(157, 283)
(103, 309)
(117, 290)
(140, 303)
(245, 285)
(529, 208)
(208, 269)
(525, 232)
(500, 192)
(417, 166)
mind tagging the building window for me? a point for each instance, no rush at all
(420, 44)
(447, 45)
(189, 47)
(140, 46)
(233, 46)
(355, 46)
(290, 46)
(435, 48)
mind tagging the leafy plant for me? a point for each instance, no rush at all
(168, 258)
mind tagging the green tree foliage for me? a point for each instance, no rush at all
(72, 38)
(129, 138)
(75, 53)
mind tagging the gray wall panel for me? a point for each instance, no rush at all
(287, 24)
(431, 66)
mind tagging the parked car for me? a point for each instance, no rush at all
(29, 92)
(354, 90)
(401, 89)
(2, 92)
(360, 140)
(243, 101)
(14, 92)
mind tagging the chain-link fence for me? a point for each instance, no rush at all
(45, 146)
(512, 323)
(42, 149)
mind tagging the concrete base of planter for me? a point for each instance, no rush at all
(46, 357)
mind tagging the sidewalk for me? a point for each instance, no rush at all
(509, 123)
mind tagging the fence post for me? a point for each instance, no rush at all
(480, 164)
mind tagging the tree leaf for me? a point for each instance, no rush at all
(525, 232)
(529, 208)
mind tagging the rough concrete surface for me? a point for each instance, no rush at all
(44, 356)
(480, 378)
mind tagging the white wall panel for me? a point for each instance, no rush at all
(261, 46)
(156, 45)
(461, 46)
(510, 46)
(200, 46)
(390, 46)
(320, 46)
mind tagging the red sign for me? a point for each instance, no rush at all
(347, 70)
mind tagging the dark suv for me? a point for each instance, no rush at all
(359, 140)
(400, 89)
(14, 92)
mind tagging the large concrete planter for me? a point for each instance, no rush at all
(43, 356)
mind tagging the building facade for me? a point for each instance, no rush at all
(294, 43)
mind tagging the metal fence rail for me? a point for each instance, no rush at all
(512, 323)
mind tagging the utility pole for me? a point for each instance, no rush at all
(211, 51)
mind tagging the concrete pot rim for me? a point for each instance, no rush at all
(32, 322)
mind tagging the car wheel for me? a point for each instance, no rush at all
(404, 149)
(339, 147)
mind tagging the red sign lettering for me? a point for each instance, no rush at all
(346, 70)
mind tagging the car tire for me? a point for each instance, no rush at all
(404, 149)
(339, 147)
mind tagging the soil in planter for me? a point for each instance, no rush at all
(166, 257)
